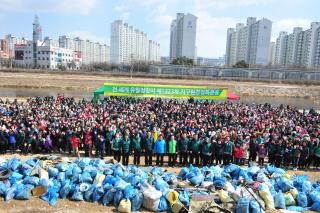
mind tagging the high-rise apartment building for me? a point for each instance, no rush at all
(128, 44)
(300, 48)
(272, 53)
(183, 37)
(249, 42)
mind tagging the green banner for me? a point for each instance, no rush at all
(164, 91)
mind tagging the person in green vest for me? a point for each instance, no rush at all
(116, 147)
(227, 151)
(206, 151)
(148, 149)
(136, 145)
(317, 156)
(195, 150)
(183, 149)
(271, 151)
(109, 136)
(125, 148)
(172, 151)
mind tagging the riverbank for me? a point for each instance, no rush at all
(86, 83)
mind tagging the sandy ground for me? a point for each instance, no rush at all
(67, 206)
(90, 82)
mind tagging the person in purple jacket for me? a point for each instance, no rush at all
(262, 152)
(160, 148)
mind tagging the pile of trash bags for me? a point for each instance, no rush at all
(246, 189)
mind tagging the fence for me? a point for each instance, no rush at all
(237, 73)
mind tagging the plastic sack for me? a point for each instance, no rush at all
(31, 180)
(255, 207)
(279, 201)
(13, 164)
(285, 185)
(163, 205)
(262, 178)
(184, 197)
(118, 172)
(129, 192)
(15, 177)
(157, 171)
(10, 193)
(266, 196)
(84, 162)
(183, 172)
(120, 184)
(65, 189)
(253, 170)
(297, 209)
(223, 195)
(61, 176)
(136, 201)
(23, 192)
(108, 197)
(53, 172)
(86, 178)
(117, 198)
(231, 168)
(151, 197)
(97, 194)
(197, 180)
(302, 199)
(50, 196)
(244, 175)
(289, 199)
(316, 206)
(4, 186)
(161, 185)
(124, 206)
(294, 192)
(62, 167)
(110, 179)
(99, 179)
(77, 195)
(243, 205)
(87, 195)
(315, 196)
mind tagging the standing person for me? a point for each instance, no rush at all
(21, 139)
(271, 151)
(101, 145)
(172, 151)
(183, 149)
(304, 155)
(262, 152)
(88, 143)
(136, 145)
(125, 148)
(75, 145)
(278, 154)
(3, 141)
(116, 147)
(109, 136)
(253, 149)
(219, 152)
(195, 150)
(227, 151)
(68, 144)
(287, 155)
(148, 152)
(206, 151)
(160, 150)
(12, 141)
(31, 139)
(238, 154)
(295, 156)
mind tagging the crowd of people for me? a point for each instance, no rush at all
(188, 132)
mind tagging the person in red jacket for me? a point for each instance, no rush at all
(238, 153)
(88, 143)
(75, 145)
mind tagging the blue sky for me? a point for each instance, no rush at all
(91, 19)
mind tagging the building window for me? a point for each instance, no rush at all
(39, 52)
(48, 58)
(39, 58)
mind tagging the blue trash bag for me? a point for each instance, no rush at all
(163, 205)
(53, 172)
(243, 205)
(31, 180)
(34, 162)
(86, 177)
(157, 171)
(117, 198)
(10, 193)
(279, 201)
(77, 195)
(316, 206)
(110, 179)
(61, 176)
(76, 170)
(244, 174)
(120, 184)
(255, 207)
(136, 201)
(13, 164)
(108, 197)
(45, 182)
(97, 194)
(161, 185)
(84, 162)
(306, 187)
(65, 189)
(197, 180)
(50, 196)
(107, 186)
(24, 192)
(169, 176)
(118, 172)
(273, 191)
(15, 177)
(285, 185)
(134, 180)
(69, 171)
(315, 196)
(129, 192)
(56, 185)
(231, 168)
(88, 195)
(297, 209)
(183, 172)
(184, 197)
(25, 169)
(4, 186)
(62, 167)
(302, 199)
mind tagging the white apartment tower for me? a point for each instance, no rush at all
(183, 36)
(128, 44)
(249, 42)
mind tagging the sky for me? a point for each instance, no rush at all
(91, 19)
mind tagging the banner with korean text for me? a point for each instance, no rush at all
(164, 91)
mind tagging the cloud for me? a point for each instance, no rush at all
(224, 4)
(89, 36)
(288, 25)
(64, 6)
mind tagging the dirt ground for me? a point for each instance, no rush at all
(66, 206)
